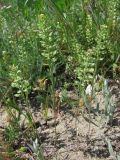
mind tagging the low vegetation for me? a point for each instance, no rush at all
(55, 56)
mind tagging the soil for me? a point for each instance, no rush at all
(76, 132)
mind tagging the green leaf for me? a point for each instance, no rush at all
(110, 148)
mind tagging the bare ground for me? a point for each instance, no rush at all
(76, 133)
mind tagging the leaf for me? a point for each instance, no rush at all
(23, 149)
(110, 148)
(26, 2)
